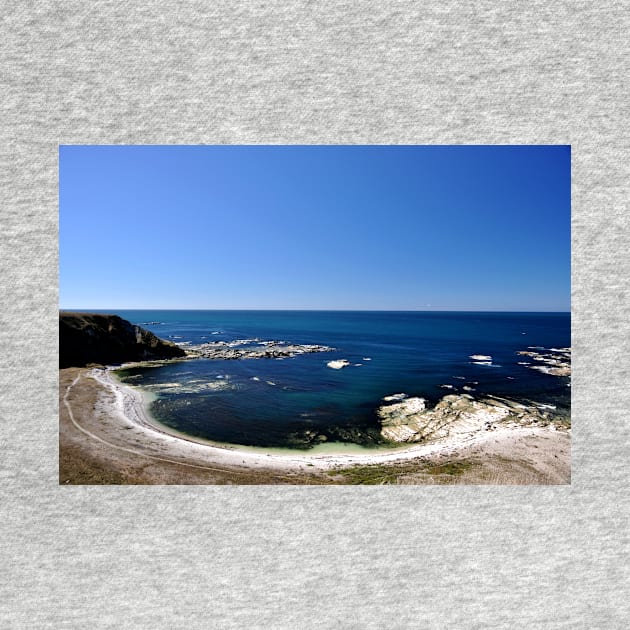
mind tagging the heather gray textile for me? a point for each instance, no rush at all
(311, 557)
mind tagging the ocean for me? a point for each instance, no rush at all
(301, 403)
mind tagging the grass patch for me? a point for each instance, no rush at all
(385, 474)
(369, 475)
(449, 468)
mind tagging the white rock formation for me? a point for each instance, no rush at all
(337, 365)
(454, 415)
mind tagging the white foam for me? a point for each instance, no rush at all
(240, 342)
(367, 358)
(255, 378)
(480, 357)
(395, 397)
(191, 387)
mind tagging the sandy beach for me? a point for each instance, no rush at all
(106, 437)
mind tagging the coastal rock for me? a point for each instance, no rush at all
(564, 370)
(398, 421)
(453, 415)
(337, 365)
(555, 361)
(86, 338)
(253, 349)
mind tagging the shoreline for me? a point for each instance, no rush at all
(105, 422)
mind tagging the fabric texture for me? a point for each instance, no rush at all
(230, 72)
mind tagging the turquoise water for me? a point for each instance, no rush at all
(299, 402)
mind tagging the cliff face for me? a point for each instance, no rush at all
(108, 339)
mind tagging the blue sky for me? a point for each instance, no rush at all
(315, 227)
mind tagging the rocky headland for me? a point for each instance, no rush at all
(94, 338)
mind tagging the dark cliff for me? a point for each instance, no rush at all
(108, 339)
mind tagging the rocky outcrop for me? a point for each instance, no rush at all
(410, 420)
(555, 361)
(86, 338)
(339, 364)
(253, 349)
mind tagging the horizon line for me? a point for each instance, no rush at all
(326, 310)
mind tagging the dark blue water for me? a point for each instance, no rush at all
(299, 401)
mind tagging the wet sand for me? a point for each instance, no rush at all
(106, 437)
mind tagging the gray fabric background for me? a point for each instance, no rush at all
(327, 72)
